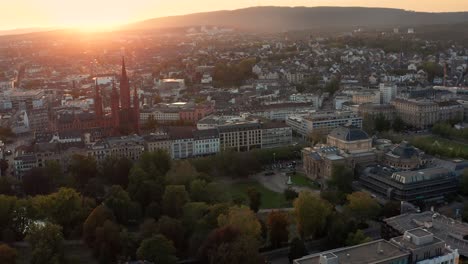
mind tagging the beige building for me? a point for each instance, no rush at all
(158, 141)
(240, 137)
(366, 97)
(374, 110)
(350, 139)
(130, 147)
(450, 110)
(419, 114)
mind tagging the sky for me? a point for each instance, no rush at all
(107, 14)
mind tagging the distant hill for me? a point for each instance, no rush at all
(23, 31)
(276, 19)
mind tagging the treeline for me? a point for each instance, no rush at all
(446, 130)
(227, 75)
(381, 124)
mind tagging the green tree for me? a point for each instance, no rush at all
(7, 254)
(157, 163)
(381, 123)
(193, 215)
(119, 202)
(338, 228)
(37, 181)
(357, 238)
(174, 198)
(157, 249)
(342, 178)
(361, 206)
(116, 171)
(148, 228)
(46, 243)
(83, 168)
(3, 167)
(64, 207)
(182, 173)
(398, 124)
(278, 224)
(172, 229)
(311, 214)
(390, 209)
(255, 199)
(144, 187)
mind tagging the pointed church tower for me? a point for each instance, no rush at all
(98, 102)
(124, 88)
(136, 110)
(115, 106)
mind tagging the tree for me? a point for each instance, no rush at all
(193, 215)
(242, 219)
(311, 214)
(297, 249)
(381, 123)
(278, 228)
(95, 219)
(172, 229)
(198, 191)
(157, 249)
(36, 182)
(361, 206)
(64, 208)
(7, 254)
(357, 238)
(46, 243)
(338, 228)
(116, 171)
(107, 245)
(182, 173)
(342, 178)
(228, 245)
(6, 185)
(290, 194)
(144, 187)
(174, 198)
(255, 199)
(119, 202)
(157, 163)
(390, 209)
(83, 168)
(332, 86)
(398, 124)
(148, 228)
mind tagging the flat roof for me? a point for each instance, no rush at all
(371, 252)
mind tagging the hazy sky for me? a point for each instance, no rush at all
(104, 13)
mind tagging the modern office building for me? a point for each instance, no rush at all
(322, 122)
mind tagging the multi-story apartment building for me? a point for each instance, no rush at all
(373, 110)
(323, 122)
(130, 147)
(276, 135)
(241, 136)
(419, 114)
(39, 120)
(24, 163)
(182, 143)
(450, 110)
(366, 97)
(161, 115)
(158, 141)
(206, 142)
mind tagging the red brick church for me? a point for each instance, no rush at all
(123, 119)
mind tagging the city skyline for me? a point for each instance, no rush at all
(106, 14)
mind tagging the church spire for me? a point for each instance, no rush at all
(115, 106)
(124, 88)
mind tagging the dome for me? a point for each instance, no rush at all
(404, 150)
(349, 134)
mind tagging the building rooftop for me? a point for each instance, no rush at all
(348, 133)
(371, 252)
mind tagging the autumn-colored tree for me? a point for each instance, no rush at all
(278, 224)
(181, 173)
(7, 254)
(96, 219)
(311, 214)
(174, 198)
(242, 219)
(361, 206)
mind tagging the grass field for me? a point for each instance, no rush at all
(270, 199)
(301, 180)
(435, 145)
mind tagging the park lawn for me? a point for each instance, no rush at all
(435, 145)
(299, 179)
(270, 199)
